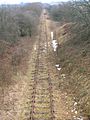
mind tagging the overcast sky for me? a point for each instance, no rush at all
(25, 1)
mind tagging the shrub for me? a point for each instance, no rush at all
(8, 27)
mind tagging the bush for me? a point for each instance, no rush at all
(19, 20)
(8, 27)
(73, 55)
(16, 21)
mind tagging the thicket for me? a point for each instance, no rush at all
(74, 54)
(17, 24)
(18, 20)
(77, 12)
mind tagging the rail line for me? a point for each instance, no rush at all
(42, 107)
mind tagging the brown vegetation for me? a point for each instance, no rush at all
(74, 51)
(18, 23)
(13, 59)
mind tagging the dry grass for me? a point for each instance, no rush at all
(13, 59)
(74, 59)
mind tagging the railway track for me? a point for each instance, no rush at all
(39, 97)
(41, 100)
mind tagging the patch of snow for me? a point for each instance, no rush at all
(45, 45)
(72, 110)
(52, 35)
(74, 116)
(35, 48)
(79, 118)
(54, 44)
(59, 69)
(57, 65)
(75, 103)
(76, 112)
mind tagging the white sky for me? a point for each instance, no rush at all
(25, 1)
